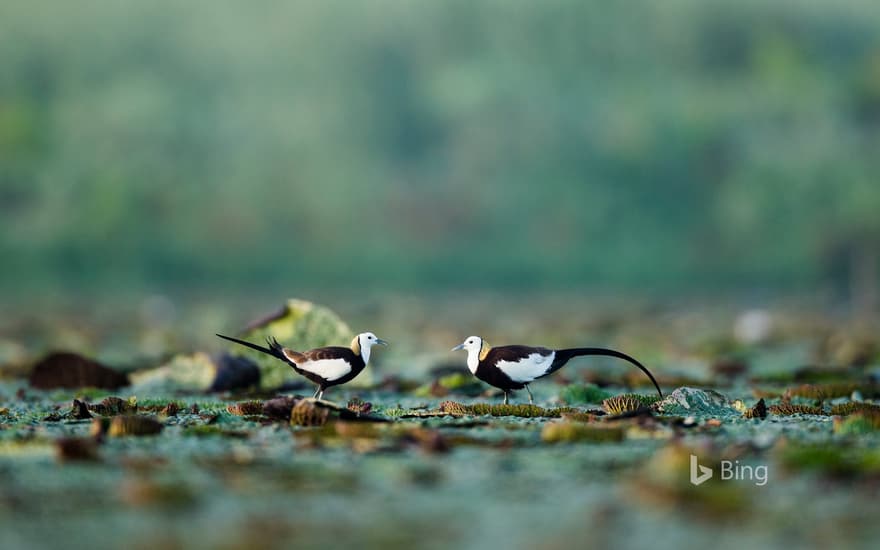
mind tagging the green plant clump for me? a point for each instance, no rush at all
(575, 394)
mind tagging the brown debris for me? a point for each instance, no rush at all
(112, 406)
(70, 370)
(171, 409)
(758, 411)
(359, 406)
(788, 409)
(245, 408)
(279, 407)
(79, 410)
(309, 413)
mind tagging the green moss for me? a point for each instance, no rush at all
(524, 411)
(393, 412)
(575, 394)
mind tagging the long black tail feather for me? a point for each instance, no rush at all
(564, 355)
(274, 349)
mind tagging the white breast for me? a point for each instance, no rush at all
(328, 369)
(528, 368)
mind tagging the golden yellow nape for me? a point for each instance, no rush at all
(356, 345)
(484, 350)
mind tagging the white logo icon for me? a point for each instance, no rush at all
(705, 473)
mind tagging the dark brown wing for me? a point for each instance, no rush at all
(513, 353)
(330, 352)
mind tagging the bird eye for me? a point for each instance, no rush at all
(370, 337)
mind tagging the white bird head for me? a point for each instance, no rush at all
(365, 341)
(476, 348)
(471, 344)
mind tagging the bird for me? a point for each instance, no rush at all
(326, 367)
(515, 367)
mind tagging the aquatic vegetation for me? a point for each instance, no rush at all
(789, 409)
(571, 432)
(359, 406)
(245, 408)
(628, 402)
(576, 394)
(523, 410)
(171, 409)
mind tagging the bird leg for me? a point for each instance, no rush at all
(318, 393)
(531, 399)
(506, 397)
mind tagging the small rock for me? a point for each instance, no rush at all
(689, 401)
(194, 372)
(70, 370)
(234, 373)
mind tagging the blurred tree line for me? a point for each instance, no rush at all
(658, 145)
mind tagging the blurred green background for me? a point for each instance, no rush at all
(659, 147)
